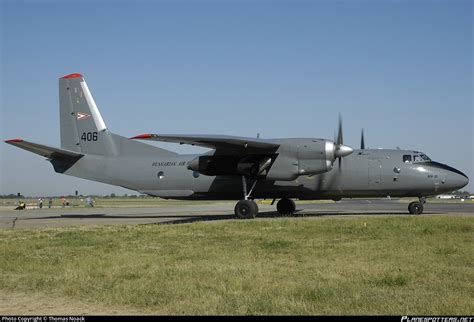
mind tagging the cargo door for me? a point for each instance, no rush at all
(375, 173)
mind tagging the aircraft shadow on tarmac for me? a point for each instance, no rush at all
(272, 214)
(181, 219)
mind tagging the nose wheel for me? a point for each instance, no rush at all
(415, 208)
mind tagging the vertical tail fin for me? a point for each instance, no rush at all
(82, 128)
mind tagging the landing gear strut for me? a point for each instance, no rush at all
(286, 206)
(246, 208)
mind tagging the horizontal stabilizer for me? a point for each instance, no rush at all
(60, 158)
(43, 150)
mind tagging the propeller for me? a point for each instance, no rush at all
(362, 142)
(341, 150)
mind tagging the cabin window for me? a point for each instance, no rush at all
(161, 175)
(195, 174)
(407, 158)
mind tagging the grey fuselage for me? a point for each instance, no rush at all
(364, 173)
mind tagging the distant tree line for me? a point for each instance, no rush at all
(11, 196)
(460, 193)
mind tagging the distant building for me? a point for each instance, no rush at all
(445, 197)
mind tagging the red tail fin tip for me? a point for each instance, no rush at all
(74, 75)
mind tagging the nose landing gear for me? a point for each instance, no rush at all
(416, 207)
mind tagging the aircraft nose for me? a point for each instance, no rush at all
(456, 179)
(453, 178)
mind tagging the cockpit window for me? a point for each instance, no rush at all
(420, 157)
(417, 157)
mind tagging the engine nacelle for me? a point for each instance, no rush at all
(302, 157)
(294, 158)
(284, 168)
(310, 167)
(315, 156)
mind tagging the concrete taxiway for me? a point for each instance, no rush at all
(61, 217)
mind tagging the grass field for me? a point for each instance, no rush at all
(365, 265)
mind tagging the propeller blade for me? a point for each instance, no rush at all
(341, 150)
(362, 142)
(339, 132)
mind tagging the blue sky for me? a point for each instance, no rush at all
(402, 70)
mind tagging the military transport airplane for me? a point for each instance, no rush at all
(236, 168)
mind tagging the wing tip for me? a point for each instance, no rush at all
(73, 75)
(14, 141)
(142, 136)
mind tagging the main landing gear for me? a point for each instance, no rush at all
(286, 207)
(246, 208)
(416, 207)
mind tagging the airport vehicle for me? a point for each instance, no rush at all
(236, 168)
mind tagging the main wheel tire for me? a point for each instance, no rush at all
(246, 209)
(415, 208)
(286, 206)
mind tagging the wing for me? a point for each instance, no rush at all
(233, 155)
(241, 145)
